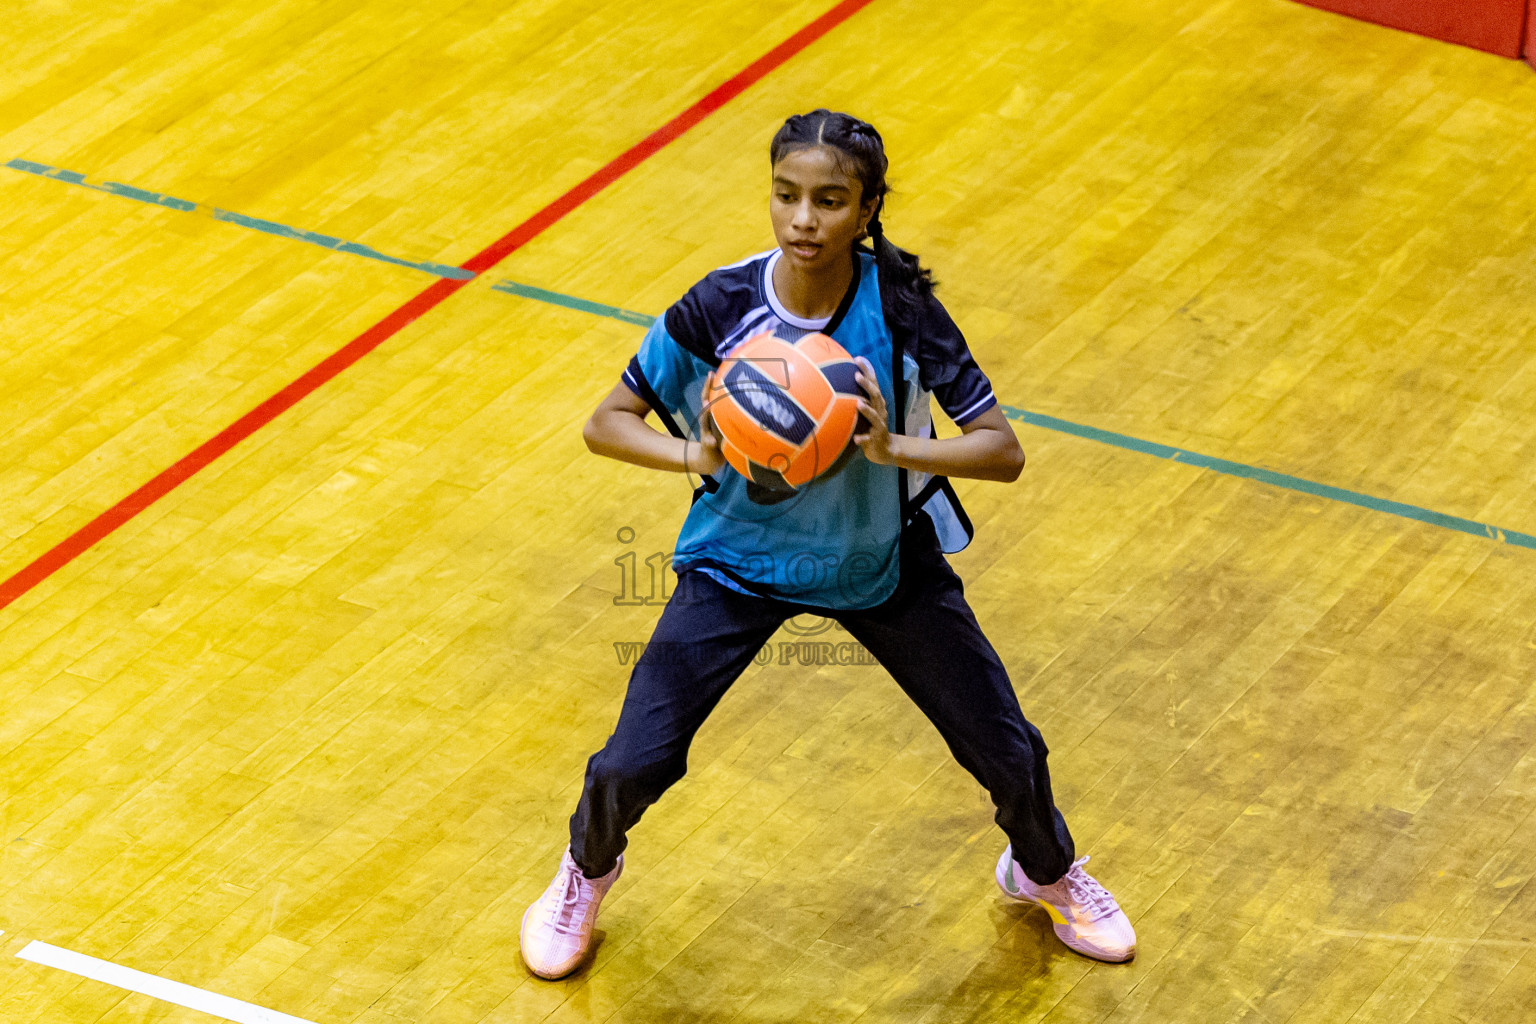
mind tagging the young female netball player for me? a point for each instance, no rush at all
(863, 544)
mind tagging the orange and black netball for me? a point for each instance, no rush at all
(785, 410)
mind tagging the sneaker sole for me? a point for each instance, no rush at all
(522, 949)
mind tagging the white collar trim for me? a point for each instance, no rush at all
(778, 307)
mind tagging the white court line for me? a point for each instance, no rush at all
(154, 985)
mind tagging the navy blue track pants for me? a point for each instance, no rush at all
(925, 636)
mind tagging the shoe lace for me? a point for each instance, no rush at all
(568, 898)
(1087, 892)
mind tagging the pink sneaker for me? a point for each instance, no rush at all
(557, 927)
(1087, 918)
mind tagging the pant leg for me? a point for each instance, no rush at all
(929, 640)
(707, 636)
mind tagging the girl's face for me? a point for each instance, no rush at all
(817, 210)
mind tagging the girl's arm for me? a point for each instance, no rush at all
(618, 430)
(986, 449)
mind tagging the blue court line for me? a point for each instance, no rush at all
(1135, 444)
(1274, 479)
(528, 291)
(117, 188)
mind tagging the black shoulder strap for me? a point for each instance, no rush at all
(648, 393)
(901, 338)
(904, 338)
(940, 485)
(707, 484)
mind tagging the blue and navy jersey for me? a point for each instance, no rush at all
(834, 543)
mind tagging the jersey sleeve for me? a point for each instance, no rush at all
(947, 368)
(669, 378)
(692, 321)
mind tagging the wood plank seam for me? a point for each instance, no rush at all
(189, 465)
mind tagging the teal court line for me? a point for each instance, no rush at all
(1274, 479)
(1135, 444)
(527, 291)
(117, 188)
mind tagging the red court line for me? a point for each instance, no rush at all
(86, 537)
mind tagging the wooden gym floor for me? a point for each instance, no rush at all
(306, 730)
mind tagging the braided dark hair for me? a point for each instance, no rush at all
(904, 282)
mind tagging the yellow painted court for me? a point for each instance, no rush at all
(304, 730)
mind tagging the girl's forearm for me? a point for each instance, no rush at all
(628, 438)
(980, 454)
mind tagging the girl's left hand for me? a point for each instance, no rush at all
(875, 443)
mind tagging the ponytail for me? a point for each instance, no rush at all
(904, 279)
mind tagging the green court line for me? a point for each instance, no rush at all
(1125, 441)
(1274, 479)
(117, 188)
(528, 291)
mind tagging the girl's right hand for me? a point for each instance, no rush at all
(703, 455)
